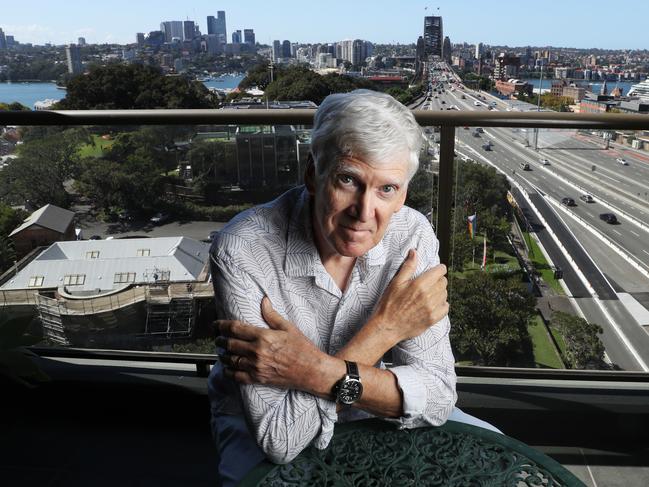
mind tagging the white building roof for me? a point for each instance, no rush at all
(49, 216)
(640, 90)
(171, 259)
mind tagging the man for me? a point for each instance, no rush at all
(316, 286)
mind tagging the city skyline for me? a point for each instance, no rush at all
(578, 24)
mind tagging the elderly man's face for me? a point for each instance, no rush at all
(354, 203)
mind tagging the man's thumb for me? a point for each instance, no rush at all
(408, 267)
(273, 318)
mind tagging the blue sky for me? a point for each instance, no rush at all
(576, 23)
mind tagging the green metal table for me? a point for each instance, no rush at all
(374, 453)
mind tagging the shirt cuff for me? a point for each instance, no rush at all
(328, 418)
(414, 395)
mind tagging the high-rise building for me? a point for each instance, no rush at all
(446, 50)
(277, 50)
(478, 50)
(506, 66)
(189, 30)
(216, 26)
(156, 38)
(286, 49)
(433, 35)
(236, 37)
(81, 41)
(73, 55)
(249, 37)
(3, 40)
(172, 29)
(139, 37)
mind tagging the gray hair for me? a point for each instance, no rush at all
(365, 124)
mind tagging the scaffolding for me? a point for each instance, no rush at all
(167, 315)
(50, 316)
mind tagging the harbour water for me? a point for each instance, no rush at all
(29, 93)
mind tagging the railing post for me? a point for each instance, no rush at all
(445, 198)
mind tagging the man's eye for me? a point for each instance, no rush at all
(388, 188)
(345, 179)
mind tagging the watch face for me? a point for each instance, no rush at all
(350, 391)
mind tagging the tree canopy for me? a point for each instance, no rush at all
(489, 316)
(133, 86)
(584, 349)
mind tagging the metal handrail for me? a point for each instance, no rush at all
(305, 117)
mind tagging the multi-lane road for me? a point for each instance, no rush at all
(607, 264)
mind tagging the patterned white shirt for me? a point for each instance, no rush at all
(269, 250)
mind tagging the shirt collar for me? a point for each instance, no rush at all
(302, 256)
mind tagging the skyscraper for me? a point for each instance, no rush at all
(478, 50)
(433, 35)
(81, 41)
(3, 40)
(277, 50)
(188, 30)
(216, 26)
(249, 37)
(286, 49)
(140, 39)
(171, 29)
(236, 37)
(73, 56)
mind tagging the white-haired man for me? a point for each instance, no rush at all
(317, 285)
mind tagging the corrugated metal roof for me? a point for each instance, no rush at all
(99, 260)
(49, 216)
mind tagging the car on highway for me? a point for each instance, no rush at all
(479, 130)
(443, 102)
(159, 218)
(524, 166)
(587, 198)
(622, 161)
(476, 103)
(544, 162)
(568, 201)
(486, 146)
(608, 218)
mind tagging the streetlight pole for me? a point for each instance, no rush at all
(538, 109)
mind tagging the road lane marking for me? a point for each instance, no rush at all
(637, 235)
(616, 232)
(645, 251)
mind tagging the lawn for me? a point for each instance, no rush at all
(545, 353)
(97, 149)
(541, 264)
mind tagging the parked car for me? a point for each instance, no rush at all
(159, 218)
(622, 161)
(608, 217)
(568, 201)
(587, 198)
(544, 162)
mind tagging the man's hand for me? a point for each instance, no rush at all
(280, 356)
(410, 306)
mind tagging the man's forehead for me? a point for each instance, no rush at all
(393, 169)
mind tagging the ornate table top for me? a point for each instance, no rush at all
(375, 453)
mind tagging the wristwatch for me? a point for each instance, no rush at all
(349, 389)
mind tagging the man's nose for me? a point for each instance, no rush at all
(364, 206)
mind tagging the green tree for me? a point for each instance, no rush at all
(43, 167)
(133, 86)
(584, 349)
(489, 316)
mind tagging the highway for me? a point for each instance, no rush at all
(607, 259)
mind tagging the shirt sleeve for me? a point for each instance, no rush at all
(283, 422)
(424, 366)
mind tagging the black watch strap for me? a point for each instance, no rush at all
(352, 369)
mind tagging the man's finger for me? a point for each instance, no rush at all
(408, 268)
(240, 347)
(272, 317)
(238, 329)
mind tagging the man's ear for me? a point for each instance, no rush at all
(309, 174)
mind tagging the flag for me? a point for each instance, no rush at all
(484, 253)
(473, 223)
